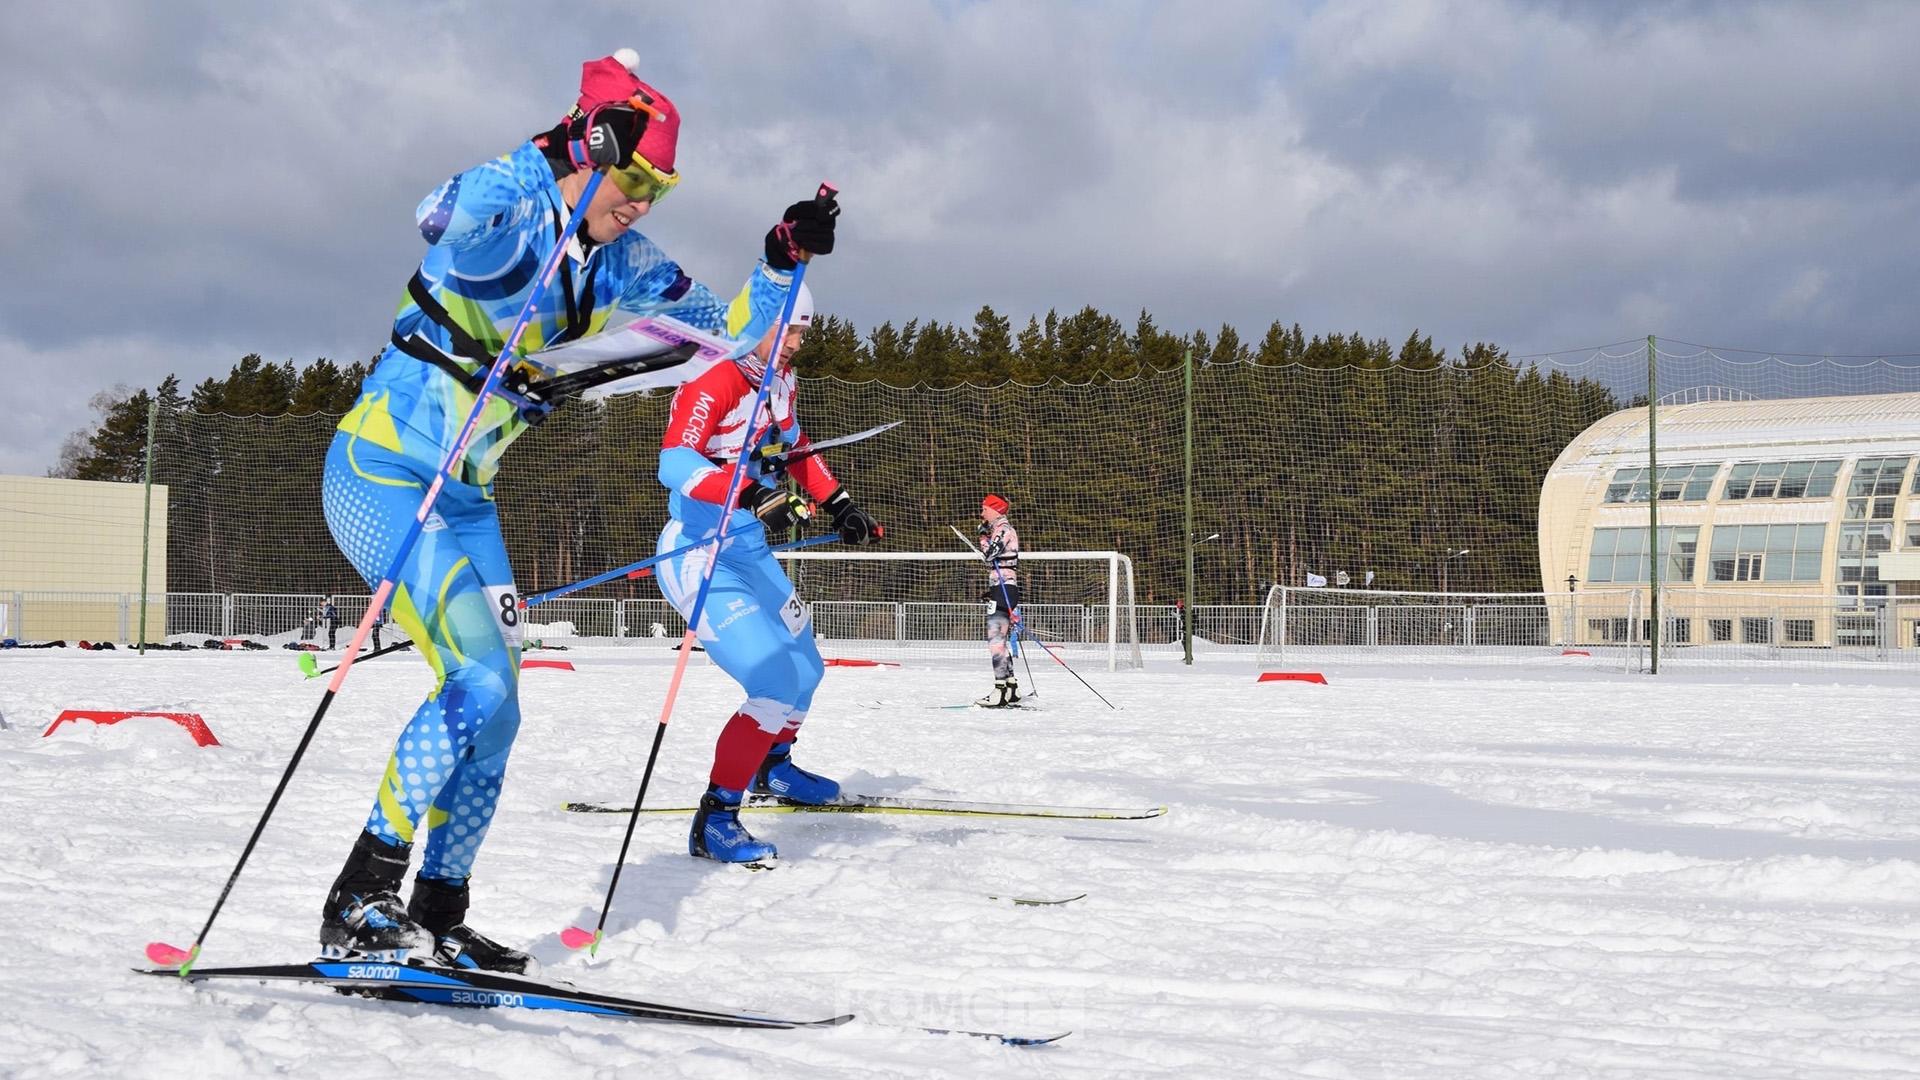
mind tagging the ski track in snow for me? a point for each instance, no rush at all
(1484, 875)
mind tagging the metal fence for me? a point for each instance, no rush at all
(878, 629)
(1609, 629)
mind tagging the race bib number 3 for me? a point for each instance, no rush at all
(505, 602)
(794, 614)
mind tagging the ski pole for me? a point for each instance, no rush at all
(170, 956)
(633, 569)
(574, 937)
(1048, 649)
(1006, 601)
(313, 669)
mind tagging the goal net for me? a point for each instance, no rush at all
(887, 604)
(1333, 624)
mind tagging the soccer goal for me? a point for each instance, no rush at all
(1323, 624)
(932, 603)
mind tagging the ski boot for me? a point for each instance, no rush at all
(780, 777)
(364, 918)
(717, 832)
(1004, 695)
(441, 907)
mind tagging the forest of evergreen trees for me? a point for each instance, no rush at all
(1311, 454)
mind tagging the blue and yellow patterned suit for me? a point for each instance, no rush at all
(489, 229)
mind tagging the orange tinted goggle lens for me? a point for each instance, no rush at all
(642, 182)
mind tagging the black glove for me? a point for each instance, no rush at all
(982, 529)
(805, 229)
(777, 508)
(606, 136)
(856, 525)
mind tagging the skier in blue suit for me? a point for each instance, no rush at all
(488, 231)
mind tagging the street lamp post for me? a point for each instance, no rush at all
(1448, 562)
(1186, 602)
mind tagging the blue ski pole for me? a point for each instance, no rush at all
(633, 569)
(313, 669)
(170, 956)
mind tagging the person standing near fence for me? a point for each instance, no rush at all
(331, 616)
(1000, 544)
(487, 230)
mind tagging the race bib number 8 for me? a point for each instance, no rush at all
(506, 610)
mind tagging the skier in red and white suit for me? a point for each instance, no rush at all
(753, 626)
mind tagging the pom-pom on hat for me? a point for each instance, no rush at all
(995, 503)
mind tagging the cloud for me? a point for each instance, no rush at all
(201, 180)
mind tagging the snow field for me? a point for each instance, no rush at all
(1388, 877)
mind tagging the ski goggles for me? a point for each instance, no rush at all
(640, 181)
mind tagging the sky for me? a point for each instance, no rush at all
(193, 181)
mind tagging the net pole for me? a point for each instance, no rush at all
(146, 521)
(1186, 604)
(1653, 506)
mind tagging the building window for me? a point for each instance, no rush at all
(1620, 555)
(1797, 631)
(1782, 480)
(1756, 631)
(1877, 476)
(1913, 532)
(1767, 552)
(1867, 526)
(1720, 629)
(1678, 483)
(1607, 629)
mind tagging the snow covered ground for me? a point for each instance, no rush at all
(1496, 874)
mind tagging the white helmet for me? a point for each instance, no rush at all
(802, 308)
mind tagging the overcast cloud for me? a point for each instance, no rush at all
(190, 181)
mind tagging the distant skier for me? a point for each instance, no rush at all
(488, 231)
(1001, 546)
(753, 626)
(331, 616)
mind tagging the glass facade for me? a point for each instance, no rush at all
(1867, 527)
(1767, 552)
(1620, 555)
(1678, 483)
(1782, 479)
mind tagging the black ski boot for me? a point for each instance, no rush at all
(441, 907)
(363, 918)
(1004, 695)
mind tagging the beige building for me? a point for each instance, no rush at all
(1782, 523)
(70, 559)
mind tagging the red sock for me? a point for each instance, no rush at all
(738, 753)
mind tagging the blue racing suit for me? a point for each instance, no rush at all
(488, 229)
(753, 626)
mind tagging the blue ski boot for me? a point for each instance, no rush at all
(781, 778)
(717, 832)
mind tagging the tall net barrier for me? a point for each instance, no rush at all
(935, 601)
(1297, 470)
(1346, 464)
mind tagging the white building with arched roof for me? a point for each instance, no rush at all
(1782, 522)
